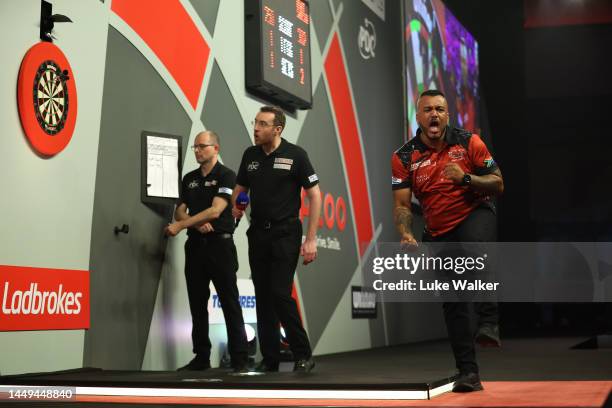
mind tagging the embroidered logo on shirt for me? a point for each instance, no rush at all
(210, 183)
(193, 184)
(424, 163)
(422, 178)
(282, 166)
(456, 154)
(253, 166)
(283, 160)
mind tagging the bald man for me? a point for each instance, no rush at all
(204, 209)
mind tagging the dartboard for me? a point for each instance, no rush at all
(50, 97)
(47, 99)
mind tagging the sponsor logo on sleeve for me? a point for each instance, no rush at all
(489, 162)
(313, 178)
(225, 190)
(396, 181)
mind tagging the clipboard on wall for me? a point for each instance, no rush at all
(160, 168)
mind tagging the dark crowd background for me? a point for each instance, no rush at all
(546, 85)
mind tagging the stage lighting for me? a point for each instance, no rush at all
(285, 350)
(251, 339)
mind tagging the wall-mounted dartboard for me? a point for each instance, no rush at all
(47, 98)
(46, 92)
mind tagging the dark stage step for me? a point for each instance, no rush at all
(221, 383)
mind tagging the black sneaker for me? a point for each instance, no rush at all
(488, 336)
(240, 367)
(304, 365)
(266, 367)
(467, 382)
(197, 364)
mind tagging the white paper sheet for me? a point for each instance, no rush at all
(162, 167)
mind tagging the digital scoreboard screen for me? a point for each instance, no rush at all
(277, 50)
(441, 54)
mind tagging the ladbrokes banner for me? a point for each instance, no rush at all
(43, 299)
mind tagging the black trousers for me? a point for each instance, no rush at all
(273, 256)
(479, 226)
(213, 258)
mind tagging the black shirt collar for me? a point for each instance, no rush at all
(280, 149)
(213, 171)
(451, 137)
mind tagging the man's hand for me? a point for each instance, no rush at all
(408, 239)
(237, 213)
(309, 251)
(173, 229)
(453, 172)
(205, 228)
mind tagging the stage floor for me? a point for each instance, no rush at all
(524, 372)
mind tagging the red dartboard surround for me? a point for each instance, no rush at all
(47, 98)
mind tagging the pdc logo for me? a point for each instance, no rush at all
(366, 39)
(333, 211)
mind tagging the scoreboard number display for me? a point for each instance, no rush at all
(277, 51)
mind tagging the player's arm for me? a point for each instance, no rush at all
(180, 213)
(402, 215)
(309, 247)
(210, 214)
(490, 183)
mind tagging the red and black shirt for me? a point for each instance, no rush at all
(420, 168)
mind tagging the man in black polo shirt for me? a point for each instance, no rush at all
(210, 253)
(275, 171)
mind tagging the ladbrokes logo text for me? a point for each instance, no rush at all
(35, 301)
(43, 298)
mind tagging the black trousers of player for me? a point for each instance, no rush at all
(213, 258)
(479, 226)
(273, 255)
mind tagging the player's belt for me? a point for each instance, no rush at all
(267, 224)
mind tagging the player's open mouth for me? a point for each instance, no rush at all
(434, 126)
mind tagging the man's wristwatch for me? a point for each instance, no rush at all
(467, 180)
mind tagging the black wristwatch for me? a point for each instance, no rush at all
(467, 180)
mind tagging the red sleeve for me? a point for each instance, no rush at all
(400, 177)
(480, 157)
